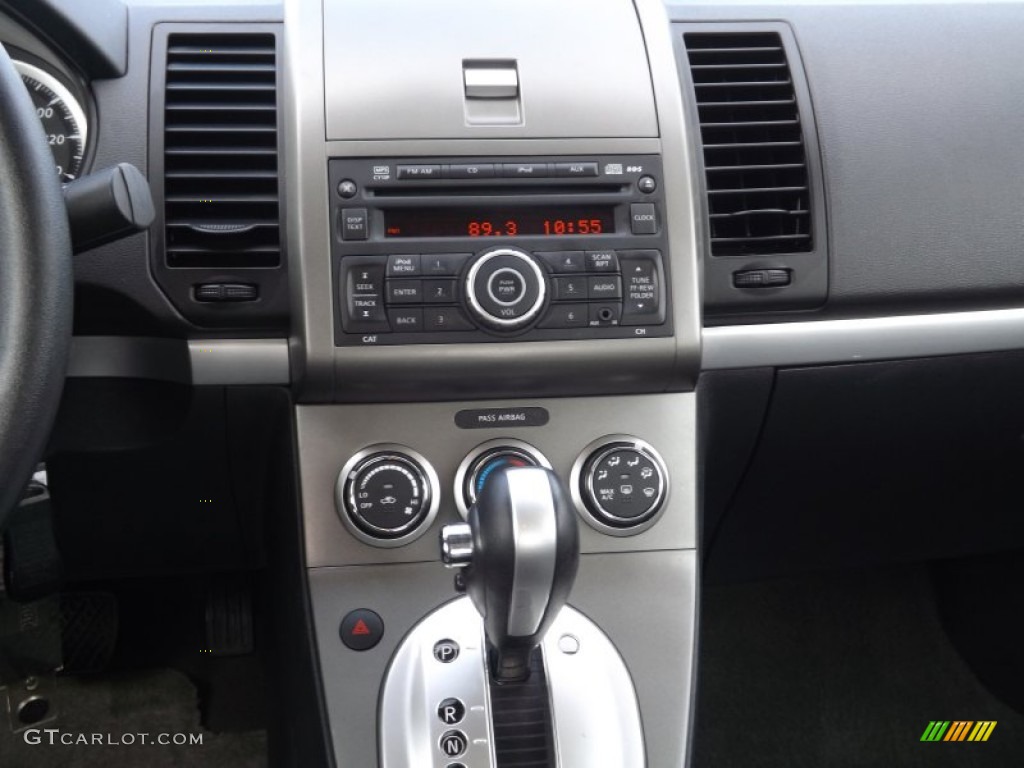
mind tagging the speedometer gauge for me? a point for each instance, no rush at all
(62, 117)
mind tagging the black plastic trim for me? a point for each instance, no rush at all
(93, 35)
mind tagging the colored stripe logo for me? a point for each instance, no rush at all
(958, 730)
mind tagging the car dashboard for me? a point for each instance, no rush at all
(743, 277)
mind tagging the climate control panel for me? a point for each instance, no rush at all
(388, 495)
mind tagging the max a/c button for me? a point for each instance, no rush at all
(361, 629)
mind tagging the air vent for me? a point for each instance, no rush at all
(220, 151)
(755, 159)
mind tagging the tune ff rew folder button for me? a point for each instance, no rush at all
(361, 629)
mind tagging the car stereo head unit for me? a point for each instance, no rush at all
(445, 250)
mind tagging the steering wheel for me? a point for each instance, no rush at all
(36, 286)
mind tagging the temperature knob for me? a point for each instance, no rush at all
(387, 495)
(484, 460)
(506, 289)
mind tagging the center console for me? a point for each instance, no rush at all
(492, 243)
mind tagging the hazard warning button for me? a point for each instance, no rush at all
(361, 629)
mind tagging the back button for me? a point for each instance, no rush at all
(407, 320)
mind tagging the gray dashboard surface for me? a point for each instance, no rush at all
(920, 115)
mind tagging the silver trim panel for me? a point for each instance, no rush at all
(594, 704)
(225, 362)
(477, 147)
(660, 662)
(329, 434)
(817, 342)
(201, 362)
(679, 148)
(325, 373)
(535, 543)
(409, 729)
(862, 339)
(413, 86)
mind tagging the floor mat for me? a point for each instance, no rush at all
(838, 670)
(161, 704)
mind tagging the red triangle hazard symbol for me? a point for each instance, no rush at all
(360, 628)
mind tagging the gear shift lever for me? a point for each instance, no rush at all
(521, 549)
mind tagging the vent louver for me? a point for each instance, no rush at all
(759, 197)
(220, 151)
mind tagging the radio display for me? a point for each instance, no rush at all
(499, 222)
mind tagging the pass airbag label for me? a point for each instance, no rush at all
(485, 418)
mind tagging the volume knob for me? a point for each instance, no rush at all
(506, 289)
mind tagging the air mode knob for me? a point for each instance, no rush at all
(506, 289)
(621, 483)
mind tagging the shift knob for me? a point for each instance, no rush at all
(522, 549)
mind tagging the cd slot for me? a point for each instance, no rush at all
(491, 190)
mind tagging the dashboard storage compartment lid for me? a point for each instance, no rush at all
(395, 70)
